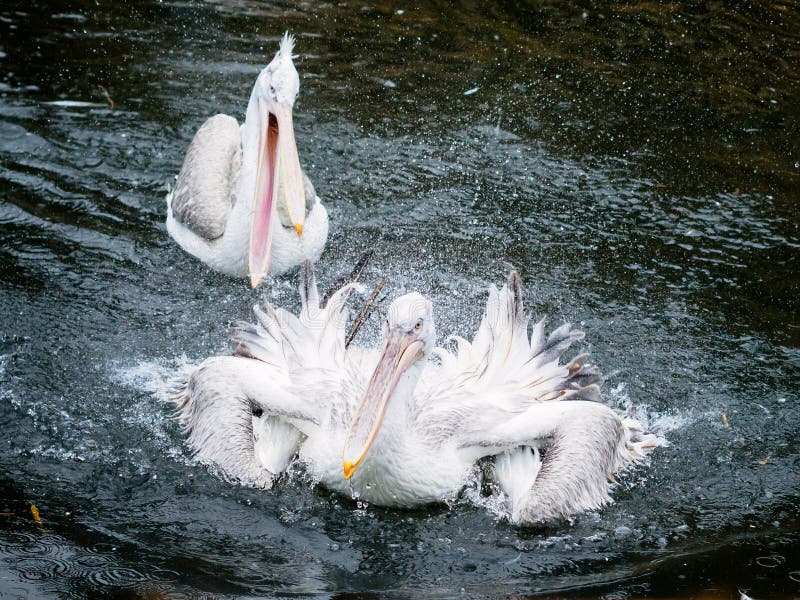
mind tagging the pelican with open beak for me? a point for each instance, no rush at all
(242, 203)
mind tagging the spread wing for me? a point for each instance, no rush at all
(238, 416)
(586, 443)
(508, 395)
(208, 181)
(313, 340)
(246, 413)
(310, 349)
(501, 374)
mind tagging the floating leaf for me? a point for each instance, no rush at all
(725, 420)
(763, 462)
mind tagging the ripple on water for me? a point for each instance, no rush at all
(24, 542)
(38, 557)
(164, 575)
(42, 569)
(116, 576)
(91, 561)
(770, 562)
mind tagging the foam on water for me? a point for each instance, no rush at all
(496, 502)
(6, 395)
(653, 421)
(153, 378)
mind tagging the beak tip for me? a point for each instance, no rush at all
(255, 280)
(349, 469)
(298, 227)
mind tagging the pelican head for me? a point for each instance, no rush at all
(279, 178)
(409, 336)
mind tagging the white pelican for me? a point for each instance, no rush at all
(396, 429)
(234, 180)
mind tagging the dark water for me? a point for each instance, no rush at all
(639, 163)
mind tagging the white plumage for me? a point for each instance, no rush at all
(397, 429)
(241, 203)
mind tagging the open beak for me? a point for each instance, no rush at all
(279, 178)
(400, 351)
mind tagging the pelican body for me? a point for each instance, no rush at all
(392, 427)
(242, 204)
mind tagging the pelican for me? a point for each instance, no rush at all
(235, 180)
(396, 428)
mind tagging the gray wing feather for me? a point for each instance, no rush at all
(219, 425)
(589, 444)
(218, 403)
(505, 393)
(208, 182)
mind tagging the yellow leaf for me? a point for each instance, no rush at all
(108, 97)
(763, 462)
(35, 513)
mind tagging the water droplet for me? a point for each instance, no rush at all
(622, 531)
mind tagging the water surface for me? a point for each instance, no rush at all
(639, 164)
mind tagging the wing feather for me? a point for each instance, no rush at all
(509, 395)
(288, 375)
(208, 181)
(502, 372)
(226, 403)
(309, 348)
(586, 444)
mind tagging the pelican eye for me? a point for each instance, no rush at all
(418, 325)
(271, 89)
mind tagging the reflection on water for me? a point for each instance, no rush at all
(638, 163)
